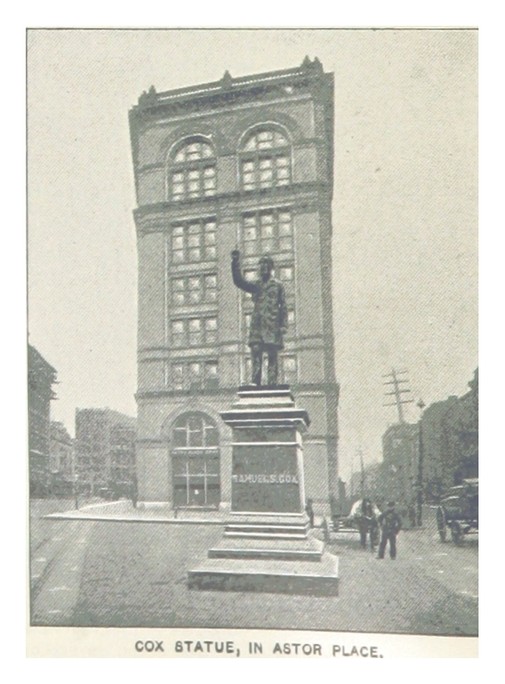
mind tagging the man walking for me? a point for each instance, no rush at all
(390, 524)
(367, 524)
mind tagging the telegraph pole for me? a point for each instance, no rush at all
(397, 392)
(420, 466)
(362, 477)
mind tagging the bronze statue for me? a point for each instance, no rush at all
(269, 318)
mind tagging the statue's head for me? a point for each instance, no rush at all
(266, 266)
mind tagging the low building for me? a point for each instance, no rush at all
(61, 460)
(105, 451)
(400, 446)
(41, 378)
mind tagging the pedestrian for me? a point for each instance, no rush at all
(310, 512)
(367, 523)
(390, 524)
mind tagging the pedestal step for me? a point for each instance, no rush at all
(280, 549)
(272, 576)
(273, 529)
(265, 535)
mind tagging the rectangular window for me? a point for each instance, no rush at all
(194, 242)
(193, 332)
(289, 369)
(210, 375)
(178, 376)
(210, 287)
(267, 232)
(178, 333)
(210, 329)
(194, 375)
(201, 288)
(286, 273)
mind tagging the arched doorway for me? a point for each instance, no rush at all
(195, 461)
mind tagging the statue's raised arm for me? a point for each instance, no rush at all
(238, 278)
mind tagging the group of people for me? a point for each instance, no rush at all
(379, 527)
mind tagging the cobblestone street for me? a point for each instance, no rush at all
(91, 573)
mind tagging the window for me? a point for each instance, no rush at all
(286, 273)
(193, 332)
(289, 369)
(201, 374)
(192, 171)
(194, 241)
(196, 430)
(195, 461)
(178, 376)
(265, 160)
(267, 232)
(197, 289)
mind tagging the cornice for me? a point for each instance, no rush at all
(309, 77)
(301, 197)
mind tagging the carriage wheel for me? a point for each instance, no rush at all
(456, 533)
(441, 524)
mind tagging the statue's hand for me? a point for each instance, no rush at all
(235, 255)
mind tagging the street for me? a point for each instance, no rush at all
(95, 573)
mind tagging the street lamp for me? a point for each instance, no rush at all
(76, 491)
(420, 474)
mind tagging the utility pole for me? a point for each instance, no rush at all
(420, 466)
(362, 473)
(397, 392)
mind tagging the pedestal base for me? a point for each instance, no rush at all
(268, 554)
(274, 576)
(266, 546)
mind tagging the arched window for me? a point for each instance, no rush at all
(265, 159)
(195, 461)
(192, 170)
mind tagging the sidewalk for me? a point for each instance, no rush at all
(123, 511)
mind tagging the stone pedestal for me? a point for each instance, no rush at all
(266, 544)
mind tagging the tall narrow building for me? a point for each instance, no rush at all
(242, 162)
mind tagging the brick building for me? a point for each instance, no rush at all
(41, 378)
(451, 440)
(105, 450)
(244, 162)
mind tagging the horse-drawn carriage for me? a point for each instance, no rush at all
(458, 511)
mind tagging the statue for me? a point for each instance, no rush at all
(269, 318)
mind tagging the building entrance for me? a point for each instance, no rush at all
(195, 462)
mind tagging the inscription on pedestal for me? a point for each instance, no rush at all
(265, 479)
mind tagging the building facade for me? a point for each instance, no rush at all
(400, 466)
(105, 451)
(41, 378)
(61, 460)
(242, 162)
(451, 440)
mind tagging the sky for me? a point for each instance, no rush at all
(404, 210)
